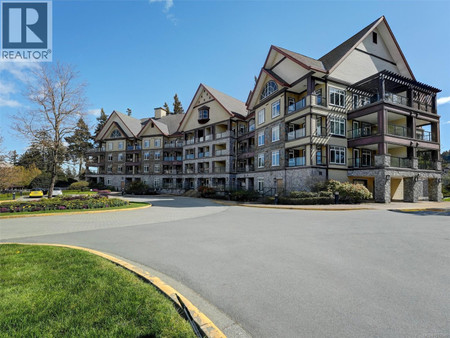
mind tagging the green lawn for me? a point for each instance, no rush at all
(4, 197)
(78, 192)
(18, 214)
(52, 291)
(447, 199)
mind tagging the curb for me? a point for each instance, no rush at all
(203, 322)
(285, 207)
(75, 212)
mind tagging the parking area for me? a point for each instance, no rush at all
(279, 273)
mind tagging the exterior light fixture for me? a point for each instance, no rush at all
(388, 177)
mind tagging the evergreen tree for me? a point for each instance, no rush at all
(79, 143)
(128, 111)
(166, 108)
(177, 107)
(101, 122)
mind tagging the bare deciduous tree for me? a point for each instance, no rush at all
(58, 101)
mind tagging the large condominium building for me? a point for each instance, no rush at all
(356, 114)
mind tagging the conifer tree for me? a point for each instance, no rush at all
(177, 107)
(101, 122)
(166, 108)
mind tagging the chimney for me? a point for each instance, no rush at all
(160, 112)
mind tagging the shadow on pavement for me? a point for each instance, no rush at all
(425, 212)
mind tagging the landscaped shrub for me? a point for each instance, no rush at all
(348, 192)
(302, 194)
(137, 188)
(305, 200)
(244, 195)
(82, 186)
(206, 191)
(62, 203)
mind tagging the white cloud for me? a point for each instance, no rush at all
(6, 102)
(443, 100)
(168, 4)
(94, 112)
(13, 75)
(446, 122)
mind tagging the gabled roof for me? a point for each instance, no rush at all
(133, 124)
(303, 60)
(331, 59)
(167, 125)
(230, 104)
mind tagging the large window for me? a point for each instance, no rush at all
(146, 156)
(275, 158)
(275, 133)
(203, 114)
(121, 145)
(337, 126)
(261, 160)
(120, 157)
(261, 138)
(276, 109)
(269, 88)
(146, 143)
(110, 146)
(156, 168)
(261, 114)
(109, 169)
(119, 169)
(337, 155)
(337, 97)
(110, 157)
(251, 125)
(261, 184)
(157, 155)
(157, 143)
(116, 133)
(146, 168)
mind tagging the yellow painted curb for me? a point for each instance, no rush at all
(74, 212)
(285, 207)
(204, 322)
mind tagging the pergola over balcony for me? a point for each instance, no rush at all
(393, 88)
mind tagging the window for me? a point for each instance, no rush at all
(261, 114)
(337, 155)
(203, 114)
(261, 138)
(337, 97)
(116, 134)
(275, 133)
(146, 143)
(260, 184)
(110, 146)
(366, 158)
(276, 109)
(146, 167)
(157, 182)
(157, 143)
(120, 157)
(146, 156)
(269, 88)
(275, 158)
(121, 145)
(157, 155)
(108, 181)
(109, 169)
(251, 126)
(291, 104)
(319, 155)
(110, 157)
(119, 169)
(260, 160)
(156, 168)
(374, 37)
(337, 126)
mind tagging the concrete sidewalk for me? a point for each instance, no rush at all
(345, 207)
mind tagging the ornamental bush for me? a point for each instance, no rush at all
(62, 203)
(137, 188)
(206, 191)
(244, 195)
(348, 192)
(82, 186)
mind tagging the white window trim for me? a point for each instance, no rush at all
(261, 156)
(339, 149)
(339, 92)
(276, 128)
(276, 154)
(263, 111)
(261, 133)
(279, 109)
(339, 121)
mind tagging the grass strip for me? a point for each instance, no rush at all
(53, 291)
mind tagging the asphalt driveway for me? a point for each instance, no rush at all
(279, 273)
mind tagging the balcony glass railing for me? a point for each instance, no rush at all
(190, 156)
(297, 161)
(426, 164)
(397, 99)
(400, 162)
(221, 152)
(224, 134)
(299, 133)
(219, 170)
(361, 132)
(396, 130)
(190, 141)
(424, 135)
(360, 162)
(297, 106)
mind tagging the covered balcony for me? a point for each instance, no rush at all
(296, 129)
(308, 92)
(296, 157)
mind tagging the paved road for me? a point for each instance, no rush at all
(280, 273)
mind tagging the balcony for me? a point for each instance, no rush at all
(189, 171)
(221, 152)
(245, 169)
(173, 158)
(173, 145)
(172, 172)
(96, 150)
(400, 162)
(296, 134)
(203, 170)
(359, 162)
(135, 147)
(190, 141)
(245, 150)
(227, 133)
(297, 106)
(426, 164)
(219, 170)
(190, 156)
(296, 162)
(397, 130)
(424, 135)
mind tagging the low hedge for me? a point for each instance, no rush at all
(305, 200)
(81, 185)
(244, 195)
(62, 203)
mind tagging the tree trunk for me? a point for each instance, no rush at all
(79, 168)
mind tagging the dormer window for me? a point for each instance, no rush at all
(374, 37)
(203, 114)
(116, 134)
(269, 88)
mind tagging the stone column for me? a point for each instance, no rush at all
(415, 163)
(382, 161)
(382, 189)
(411, 187)
(435, 189)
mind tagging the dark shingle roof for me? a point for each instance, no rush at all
(132, 123)
(330, 59)
(306, 60)
(168, 124)
(234, 106)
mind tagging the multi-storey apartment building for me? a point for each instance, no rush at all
(356, 114)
